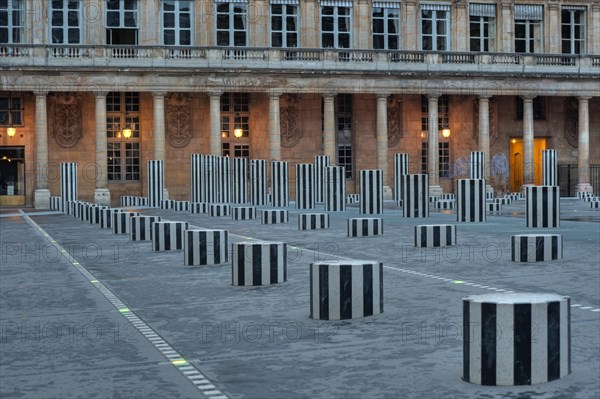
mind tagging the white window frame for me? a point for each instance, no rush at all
(434, 35)
(284, 31)
(11, 26)
(583, 31)
(538, 43)
(122, 11)
(336, 32)
(65, 26)
(177, 29)
(231, 29)
(385, 34)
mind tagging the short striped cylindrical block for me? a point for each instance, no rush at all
(514, 196)
(433, 199)
(371, 192)
(127, 200)
(352, 198)
(444, 204)
(258, 168)
(542, 207)
(493, 207)
(140, 227)
(335, 189)
(120, 221)
(502, 201)
(96, 213)
(84, 211)
(470, 204)
(313, 221)
(435, 235)
(71, 208)
(590, 199)
(416, 194)
(182, 206)
(205, 247)
(198, 207)
(305, 186)
(348, 289)
(167, 204)
(279, 184)
(363, 227)
(321, 162)
(106, 217)
(274, 216)
(258, 263)
(168, 236)
(595, 204)
(583, 194)
(156, 182)
(489, 196)
(56, 204)
(536, 247)
(68, 183)
(476, 165)
(218, 209)
(400, 169)
(243, 212)
(516, 338)
(448, 197)
(549, 168)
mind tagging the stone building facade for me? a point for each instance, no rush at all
(356, 80)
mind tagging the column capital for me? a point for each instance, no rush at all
(484, 97)
(100, 93)
(215, 93)
(383, 96)
(156, 94)
(583, 98)
(275, 93)
(433, 95)
(528, 98)
(40, 93)
(329, 95)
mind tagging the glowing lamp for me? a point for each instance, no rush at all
(11, 131)
(446, 133)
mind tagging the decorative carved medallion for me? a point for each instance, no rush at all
(572, 122)
(290, 132)
(178, 123)
(394, 115)
(67, 119)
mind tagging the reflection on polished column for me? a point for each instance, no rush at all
(42, 194)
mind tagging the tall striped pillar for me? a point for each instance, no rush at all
(335, 188)
(196, 177)
(400, 169)
(321, 162)
(156, 183)
(239, 191)
(477, 165)
(68, 184)
(415, 196)
(279, 184)
(305, 186)
(371, 191)
(470, 202)
(223, 180)
(203, 178)
(259, 181)
(549, 168)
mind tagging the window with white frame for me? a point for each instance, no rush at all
(12, 21)
(435, 27)
(482, 27)
(284, 23)
(66, 21)
(123, 111)
(443, 158)
(386, 26)
(235, 115)
(443, 113)
(343, 116)
(528, 28)
(573, 29)
(336, 24)
(232, 24)
(122, 22)
(11, 110)
(176, 16)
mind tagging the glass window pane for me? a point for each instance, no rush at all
(169, 20)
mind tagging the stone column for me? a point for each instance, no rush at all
(382, 142)
(329, 129)
(101, 194)
(215, 122)
(460, 26)
(159, 133)
(484, 138)
(433, 151)
(528, 165)
(274, 127)
(584, 147)
(410, 31)
(41, 199)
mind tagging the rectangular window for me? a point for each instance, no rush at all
(284, 25)
(232, 24)
(122, 22)
(241, 151)
(66, 21)
(482, 26)
(132, 161)
(528, 28)
(114, 161)
(336, 26)
(235, 124)
(443, 158)
(424, 152)
(443, 113)
(386, 28)
(12, 21)
(573, 30)
(343, 116)
(176, 16)
(11, 110)
(123, 112)
(345, 158)
(435, 27)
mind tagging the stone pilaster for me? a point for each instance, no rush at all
(584, 146)
(42, 194)
(506, 36)
(554, 28)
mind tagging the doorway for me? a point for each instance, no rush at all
(516, 162)
(12, 176)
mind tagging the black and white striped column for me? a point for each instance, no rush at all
(203, 178)
(313, 221)
(106, 217)
(364, 227)
(167, 204)
(156, 183)
(415, 196)
(516, 338)
(477, 164)
(502, 201)
(470, 204)
(168, 236)
(198, 207)
(536, 247)
(279, 184)
(274, 216)
(444, 204)
(400, 169)
(435, 235)
(56, 204)
(321, 162)
(542, 206)
(371, 191)
(305, 186)
(348, 289)
(219, 209)
(205, 247)
(68, 183)
(335, 189)
(243, 212)
(181, 206)
(223, 180)
(259, 181)
(239, 188)
(549, 168)
(258, 263)
(595, 204)
(96, 213)
(120, 221)
(493, 207)
(140, 227)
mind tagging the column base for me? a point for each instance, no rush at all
(165, 194)
(387, 193)
(584, 188)
(102, 196)
(436, 190)
(41, 199)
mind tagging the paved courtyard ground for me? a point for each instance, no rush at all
(85, 313)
